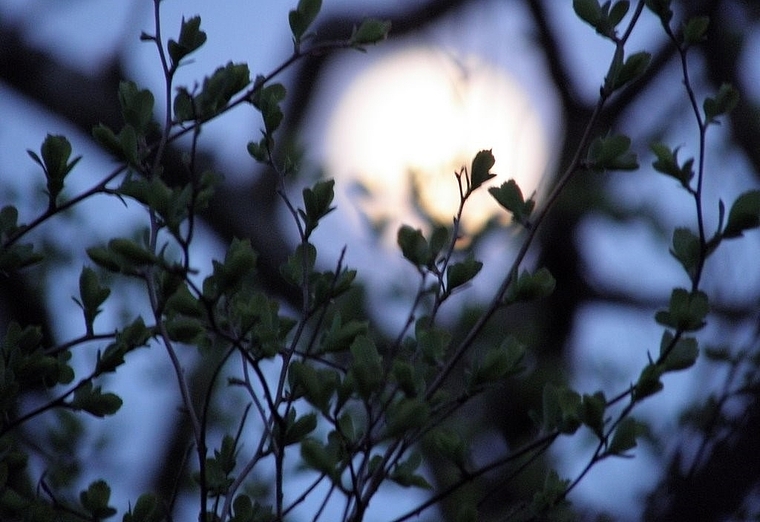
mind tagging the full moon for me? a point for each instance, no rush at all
(405, 124)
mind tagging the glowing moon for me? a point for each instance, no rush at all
(413, 118)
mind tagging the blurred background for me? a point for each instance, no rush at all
(392, 125)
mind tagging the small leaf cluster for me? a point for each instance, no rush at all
(611, 152)
(602, 17)
(54, 160)
(215, 95)
(302, 17)
(25, 364)
(605, 19)
(13, 254)
(511, 198)
(191, 38)
(130, 144)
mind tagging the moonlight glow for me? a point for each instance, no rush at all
(412, 119)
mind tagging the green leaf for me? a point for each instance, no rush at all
(25, 339)
(131, 252)
(625, 436)
(243, 509)
(405, 376)
(190, 39)
(403, 473)
(8, 220)
(258, 314)
(480, 169)
(92, 295)
(667, 163)
(633, 68)
(589, 11)
(451, 446)
(123, 146)
(107, 139)
(367, 369)
(217, 480)
(131, 337)
(147, 509)
(302, 17)
(104, 258)
(431, 342)
(239, 266)
(297, 430)
(551, 496)
(679, 356)
(136, 106)
(220, 87)
(136, 334)
(317, 386)
(129, 145)
(267, 100)
(618, 12)
(317, 201)
(439, 238)
(27, 364)
(694, 30)
(687, 250)
(603, 19)
(562, 409)
(94, 401)
(18, 256)
(184, 106)
(529, 287)
(187, 330)
(509, 196)
(409, 413)
(185, 303)
(611, 153)
(347, 429)
(497, 363)
(259, 150)
(662, 9)
(304, 257)
(744, 214)
(95, 500)
(649, 382)
(723, 102)
(226, 456)
(340, 335)
(592, 412)
(370, 31)
(463, 272)
(319, 457)
(55, 152)
(413, 246)
(686, 310)
(239, 261)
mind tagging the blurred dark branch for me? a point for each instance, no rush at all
(721, 484)
(556, 63)
(71, 95)
(722, 53)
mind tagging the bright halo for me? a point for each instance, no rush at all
(412, 119)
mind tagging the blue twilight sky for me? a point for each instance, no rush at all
(609, 344)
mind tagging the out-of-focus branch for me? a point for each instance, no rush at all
(730, 472)
(722, 52)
